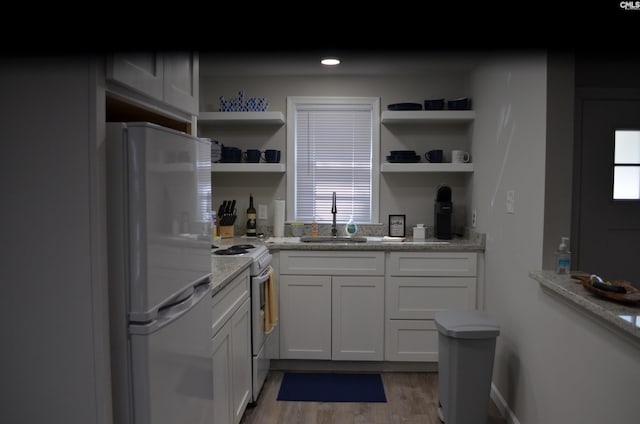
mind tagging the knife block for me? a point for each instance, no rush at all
(226, 231)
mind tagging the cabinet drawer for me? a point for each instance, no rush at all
(322, 262)
(229, 299)
(411, 340)
(437, 264)
(422, 297)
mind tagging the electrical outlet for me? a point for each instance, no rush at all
(262, 211)
(511, 201)
(474, 217)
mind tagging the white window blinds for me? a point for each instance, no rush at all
(334, 152)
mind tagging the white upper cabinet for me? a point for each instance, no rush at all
(181, 75)
(154, 80)
(141, 72)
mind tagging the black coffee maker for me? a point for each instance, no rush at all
(442, 213)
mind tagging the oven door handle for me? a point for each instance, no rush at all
(262, 277)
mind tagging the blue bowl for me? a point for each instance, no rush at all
(434, 104)
(463, 103)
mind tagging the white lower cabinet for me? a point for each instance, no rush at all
(332, 305)
(343, 305)
(222, 403)
(232, 351)
(411, 340)
(418, 285)
(241, 359)
(357, 318)
(305, 317)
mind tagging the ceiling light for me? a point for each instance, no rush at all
(330, 61)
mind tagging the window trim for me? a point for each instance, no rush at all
(615, 165)
(292, 104)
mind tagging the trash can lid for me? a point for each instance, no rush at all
(466, 324)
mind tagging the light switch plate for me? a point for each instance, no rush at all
(474, 218)
(511, 201)
(262, 211)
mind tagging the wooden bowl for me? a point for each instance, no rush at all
(632, 296)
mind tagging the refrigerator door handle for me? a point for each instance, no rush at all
(171, 313)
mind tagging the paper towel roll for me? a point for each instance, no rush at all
(278, 218)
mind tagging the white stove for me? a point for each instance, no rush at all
(261, 258)
(261, 342)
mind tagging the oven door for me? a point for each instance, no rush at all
(257, 310)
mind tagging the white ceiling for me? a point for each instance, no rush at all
(353, 63)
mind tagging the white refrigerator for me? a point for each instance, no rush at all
(159, 253)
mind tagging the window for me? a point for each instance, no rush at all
(626, 166)
(333, 145)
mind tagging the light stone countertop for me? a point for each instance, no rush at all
(226, 268)
(625, 317)
(473, 244)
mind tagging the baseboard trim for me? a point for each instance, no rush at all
(351, 366)
(502, 406)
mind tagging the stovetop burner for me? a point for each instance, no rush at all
(236, 249)
(230, 251)
(243, 246)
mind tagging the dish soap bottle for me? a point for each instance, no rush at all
(563, 257)
(351, 228)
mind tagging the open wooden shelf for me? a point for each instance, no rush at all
(427, 116)
(241, 118)
(426, 167)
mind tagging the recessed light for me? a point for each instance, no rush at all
(330, 61)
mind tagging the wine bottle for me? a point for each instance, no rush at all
(251, 218)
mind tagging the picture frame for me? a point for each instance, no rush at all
(397, 225)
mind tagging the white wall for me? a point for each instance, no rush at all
(410, 194)
(53, 307)
(553, 364)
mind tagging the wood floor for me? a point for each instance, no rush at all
(412, 398)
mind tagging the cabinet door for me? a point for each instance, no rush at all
(222, 372)
(181, 81)
(241, 362)
(142, 72)
(358, 318)
(411, 340)
(305, 317)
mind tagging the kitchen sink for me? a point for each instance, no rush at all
(330, 239)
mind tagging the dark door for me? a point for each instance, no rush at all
(608, 225)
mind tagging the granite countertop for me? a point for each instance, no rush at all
(226, 268)
(472, 244)
(626, 317)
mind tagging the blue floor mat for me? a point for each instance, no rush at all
(332, 387)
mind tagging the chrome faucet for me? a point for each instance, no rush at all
(334, 210)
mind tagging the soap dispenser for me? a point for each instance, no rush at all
(351, 228)
(563, 257)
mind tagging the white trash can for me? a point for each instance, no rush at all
(466, 346)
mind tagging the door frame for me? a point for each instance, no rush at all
(582, 95)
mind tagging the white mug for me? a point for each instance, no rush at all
(459, 156)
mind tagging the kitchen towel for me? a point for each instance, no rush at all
(270, 302)
(278, 218)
